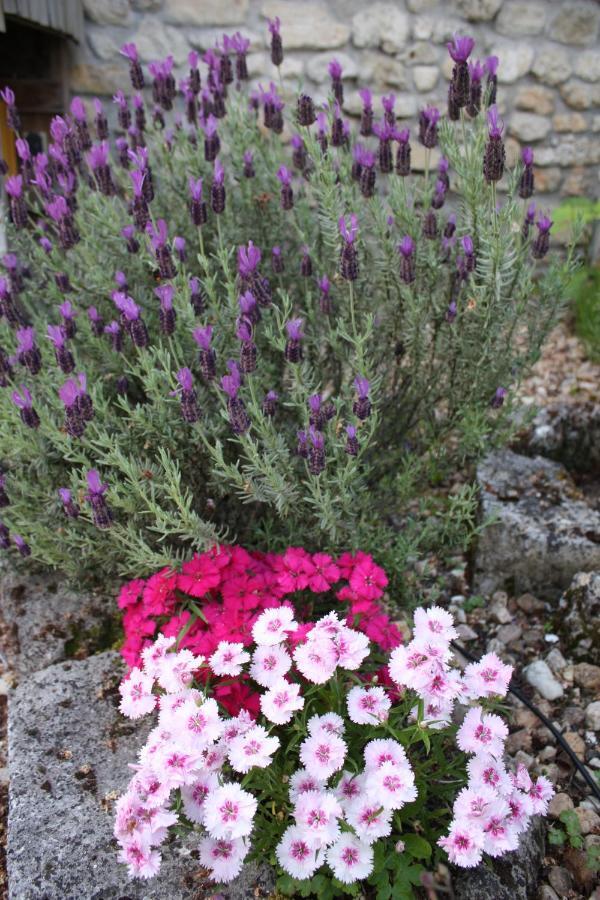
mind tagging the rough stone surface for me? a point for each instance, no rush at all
(515, 61)
(105, 42)
(552, 65)
(529, 126)
(307, 25)
(578, 95)
(512, 877)
(535, 99)
(378, 68)
(580, 624)
(592, 716)
(545, 530)
(587, 65)
(576, 23)
(519, 18)
(108, 12)
(316, 67)
(539, 675)
(155, 40)
(87, 78)
(478, 10)
(69, 754)
(381, 25)
(425, 77)
(45, 623)
(205, 12)
(568, 433)
(573, 122)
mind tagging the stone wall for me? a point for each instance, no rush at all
(549, 50)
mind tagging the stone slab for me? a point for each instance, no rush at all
(543, 530)
(43, 622)
(69, 750)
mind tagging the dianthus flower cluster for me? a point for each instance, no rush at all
(218, 595)
(495, 807)
(322, 772)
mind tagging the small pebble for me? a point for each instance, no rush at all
(539, 675)
(592, 715)
(560, 879)
(558, 804)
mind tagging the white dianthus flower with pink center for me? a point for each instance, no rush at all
(541, 793)
(350, 859)
(198, 724)
(352, 648)
(239, 725)
(329, 625)
(142, 861)
(472, 803)
(270, 664)
(484, 770)
(213, 758)
(329, 723)
(229, 812)
(178, 766)
(317, 813)
(482, 733)
(434, 624)
(463, 844)
(297, 854)
(409, 666)
(223, 856)
(369, 819)
(281, 701)
(176, 670)
(349, 787)
(500, 834)
(520, 810)
(391, 785)
(155, 653)
(383, 750)
(323, 754)
(194, 795)
(253, 748)
(368, 706)
(228, 658)
(273, 625)
(487, 678)
(302, 781)
(317, 658)
(137, 698)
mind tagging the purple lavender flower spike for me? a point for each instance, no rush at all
(206, 354)
(302, 446)
(74, 423)
(349, 255)
(316, 452)
(197, 297)
(68, 314)
(499, 397)
(13, 119)
(277, 263)
(469, 251)
(403, 153)
(276, 42)
(28, 353)
(526, 182)
(306, 266)
(166, 316)
(84, 404)
(491, 67)
(190, 411)
(101, 514)
(179, 246)
(197, 204)
(460, 49)
(269, 404)
(159, 239)
(248, 259)
(4, 498)
(114, 330)
(306, 114)
(248, 160)
(248, 350)
(64, 357)
(362, 405)
(451, 312)
(135, 70)
(428, 121)
(351, 447)
(13, 185)
(366, 118)
(335, 73)
(4, 536)
(476, 73)
(70, 508)
(325, 302)
(98, 161)
(406, 248)
(100, 121)
(22, 546)
(388, 104)
(284, 176)
(24, 403)
(137, 327)
(293, 347)
(494, 154)
(542, 241)
(238, 416)
(217, 190)
(123, 111)
(128, 233)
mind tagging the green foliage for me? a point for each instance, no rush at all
(176, 487)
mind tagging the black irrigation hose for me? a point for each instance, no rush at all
(581, 768)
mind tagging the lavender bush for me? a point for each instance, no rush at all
(241, 318)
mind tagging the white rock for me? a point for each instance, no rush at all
(519, 18)
(381, 25)
(552, 65)
(425, 77)
(478, 10)
(316, 68)
(556, 660)
(418, 6)
(515, 61)
(592, 716)
(108, 12)
(422, 28)
(260, 64)
(103, 41)
(586, 65)
(155, 40)
(539, 675)
(306, 25)
(205, 12)
(378, 68)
